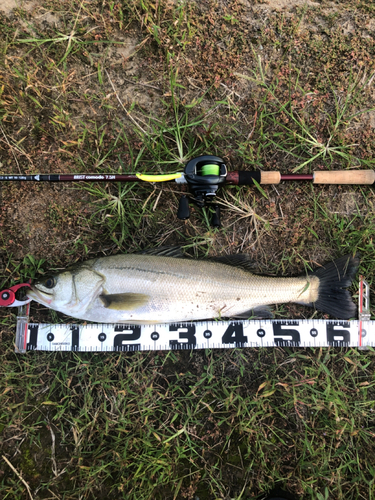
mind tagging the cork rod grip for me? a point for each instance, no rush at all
(270, 177)
(345, 177)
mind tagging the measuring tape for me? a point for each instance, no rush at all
(198, 335)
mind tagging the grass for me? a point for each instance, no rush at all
(149, 421)
(294, 131)
(145, 86)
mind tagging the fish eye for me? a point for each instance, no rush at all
(50, 282)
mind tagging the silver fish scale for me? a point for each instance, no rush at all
(183, 288)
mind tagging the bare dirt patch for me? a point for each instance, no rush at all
(7, 6)
(289, 4)
(46, 222)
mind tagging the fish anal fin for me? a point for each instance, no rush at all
(263, 312)
(124, 301)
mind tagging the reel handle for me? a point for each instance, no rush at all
(183, 211)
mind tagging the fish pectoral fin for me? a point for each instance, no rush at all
(124, 301)
(263, 312)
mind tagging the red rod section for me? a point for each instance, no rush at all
(296, 177)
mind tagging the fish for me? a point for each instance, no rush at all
(163, 286)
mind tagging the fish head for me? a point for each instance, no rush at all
(70, 292)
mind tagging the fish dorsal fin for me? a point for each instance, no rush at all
(124, 301)
(242, 260)
(164, 251)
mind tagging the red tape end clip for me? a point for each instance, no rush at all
(8, 296)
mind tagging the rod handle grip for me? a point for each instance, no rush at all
(344, 177)
(272, 177)
(249, 178)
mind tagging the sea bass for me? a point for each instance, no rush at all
(160, 288)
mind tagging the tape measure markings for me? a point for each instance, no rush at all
(200, 335)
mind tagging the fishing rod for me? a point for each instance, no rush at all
(204, 175)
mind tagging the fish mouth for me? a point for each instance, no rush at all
(39, 296)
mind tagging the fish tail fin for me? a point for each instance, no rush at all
(334, 278)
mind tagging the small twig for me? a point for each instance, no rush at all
(71, 36)
(157, 201)
(370, 80)
(18, 448)
(150, 196)
(123, 107)
(11, 148)
(230, 90)
(209, 112)
(13, 437)
(252, 130)
(54, 466)
(17, 149)
(54, 494)
(143, 84)
(192, 84)
(19, 476)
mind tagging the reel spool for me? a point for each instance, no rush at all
(204, 175)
